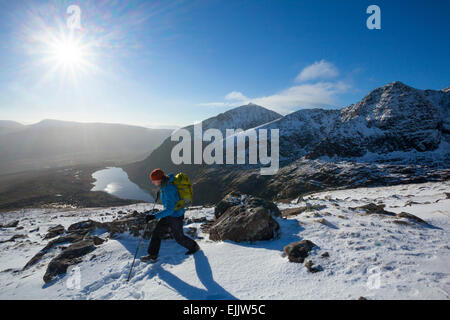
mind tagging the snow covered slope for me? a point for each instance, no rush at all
(375, 256)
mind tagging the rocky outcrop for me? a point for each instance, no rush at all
(372, 208)
(410, 216)
(81, 241)
(70, 256)
(14, 238)
(242, 218)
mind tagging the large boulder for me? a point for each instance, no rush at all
(246, 218)
(82, 240)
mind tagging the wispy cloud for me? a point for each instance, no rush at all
(318, 70)
(305, 95)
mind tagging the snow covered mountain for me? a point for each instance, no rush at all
(398, 252)
(391, 118)
(394, 129)
(243, 117)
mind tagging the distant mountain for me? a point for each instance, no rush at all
(396, 134)
(54, 143)
(10, 126)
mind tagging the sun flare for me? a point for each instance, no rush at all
(67, 56)
(68, 53)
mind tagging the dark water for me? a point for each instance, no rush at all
(115, 181)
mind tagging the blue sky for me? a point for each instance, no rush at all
(158, 63)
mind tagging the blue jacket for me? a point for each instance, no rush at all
(169, 198)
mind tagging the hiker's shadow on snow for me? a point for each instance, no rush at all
(213, 290)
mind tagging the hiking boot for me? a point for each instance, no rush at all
(149, 258)
(196, 248)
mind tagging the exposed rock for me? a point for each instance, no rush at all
(309, 265)
(411, 217)
(403, 222)
(240, 224)
(232, 199)
(249, 219)
(192, 232)
(322, 221)
(325, 255)
(97, 240)
(12, 224)
(79, 236)
(54, 232)
(15, 237)
(70, 256)
(372, 208)
(86, 226)
(298, 251)
(292, 211)
(235, 198)
(70, 238)
(410, 202)
(195, 220)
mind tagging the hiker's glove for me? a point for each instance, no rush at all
(149, 217)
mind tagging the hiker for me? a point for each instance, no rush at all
(169, 217)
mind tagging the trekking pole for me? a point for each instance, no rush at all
(140, 240)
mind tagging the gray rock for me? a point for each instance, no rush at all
(70, 256)
(250, 219)
(298, 251)
(12, 224)
(54, 232)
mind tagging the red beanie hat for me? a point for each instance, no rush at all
(157, 174)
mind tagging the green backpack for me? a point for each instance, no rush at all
(184, 187)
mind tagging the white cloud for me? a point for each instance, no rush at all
(321, 69)
(235, 95)
(305, 95)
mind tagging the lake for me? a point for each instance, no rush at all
(115, 181)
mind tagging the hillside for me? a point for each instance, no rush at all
(377, 256)
(53, 143)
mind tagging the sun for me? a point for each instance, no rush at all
(68, 53)
(67, 56)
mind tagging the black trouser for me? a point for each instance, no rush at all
(176, 225)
